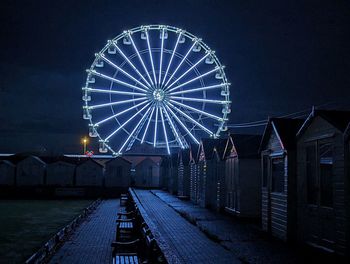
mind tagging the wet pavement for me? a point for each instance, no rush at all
(180, 241)
(91, 242)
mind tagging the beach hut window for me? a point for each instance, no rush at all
(326, 174)
(278, 175)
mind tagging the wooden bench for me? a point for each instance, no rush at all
(126, 259)
(125, 252)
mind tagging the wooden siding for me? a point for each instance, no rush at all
(7, 173)
(30, 172)
(89, 173)
(319, 225)
(117, 173)
(60, 174)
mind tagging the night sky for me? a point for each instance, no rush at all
(280, 56)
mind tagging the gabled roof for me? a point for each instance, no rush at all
(34, 158)
(220, 147)
(338, 119)
(7, 162)
(118, 158)
(246, 145)
(208, 145)
(194, 152)
(184, 154)
(347, 133)
(286, 130)
(140, 164)
(85, 160)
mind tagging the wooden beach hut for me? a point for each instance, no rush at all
(278, 182)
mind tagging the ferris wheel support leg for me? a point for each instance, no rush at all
(126, 122)
(133, 131)
(177, 137)
(155, 128)
(149, 121)
(182, 124)
(164, 129)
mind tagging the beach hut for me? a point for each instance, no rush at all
(147, 173)
(30, 171)
(117, 173)
(60, 173)
(173, 177)
(323, 181)
(193, 172)
(164, 172)
(206, 175)
(278, 182)
(89, 173)
(216, 180)
(242, 175)
(184, 173)
(7, 173)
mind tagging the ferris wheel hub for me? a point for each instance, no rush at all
(158, 95)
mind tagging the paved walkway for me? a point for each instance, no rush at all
(180, 241)
(243, 239)
(91, 242)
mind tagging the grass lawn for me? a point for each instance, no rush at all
(25, 225)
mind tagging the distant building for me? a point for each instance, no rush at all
(7, 173)
(279, 166)
(243, 175)
(89, 173)
(323, 188)
(147, 174)
(30, 171)
(60, 173)
(117, 173)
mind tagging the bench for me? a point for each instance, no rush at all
(125, 252)
(126, 259)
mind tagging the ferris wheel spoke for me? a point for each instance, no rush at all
(197, 110)
(140, 58)
(131, 64)
(155, 128)
(148, 122)
(133, 131)
(116, 103)
(199, 89)
(121, 70)
(119, 113)
(191, 119)
(161, 56)
(126, 122)
(186, 72)
(150, 56)
(101, 75)
(177, 136)
(93, 90)
(199, 100)
(194, 79)
(183, 59)
(164, 130)
(182, 124)
(171, 58)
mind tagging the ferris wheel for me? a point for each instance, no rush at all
(158, 85)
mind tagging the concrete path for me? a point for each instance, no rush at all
(181, 238)
(91, 242)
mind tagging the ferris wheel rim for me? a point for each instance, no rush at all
(145, 81)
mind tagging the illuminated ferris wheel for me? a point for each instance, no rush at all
(158, 85)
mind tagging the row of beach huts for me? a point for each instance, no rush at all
(29, 171)
(295, 178)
